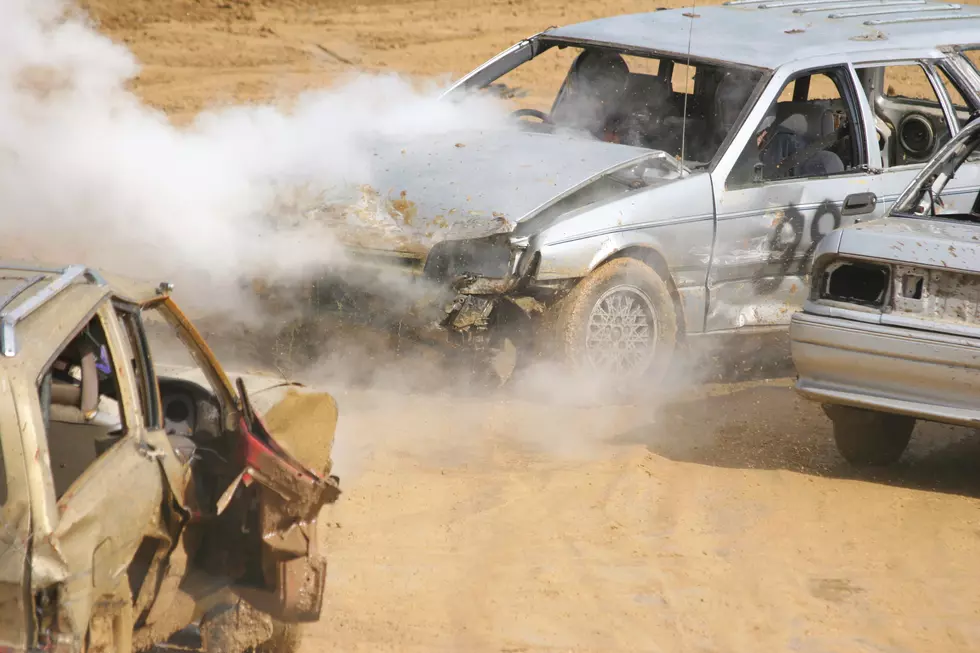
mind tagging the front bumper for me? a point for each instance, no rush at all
(926, 375)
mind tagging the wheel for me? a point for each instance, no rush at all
(867, 438)
(285, 638)
(619, 321)
(237, 628)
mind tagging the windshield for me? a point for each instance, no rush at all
(681, 106)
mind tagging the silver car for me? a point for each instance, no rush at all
(676, 180)
(891, 331)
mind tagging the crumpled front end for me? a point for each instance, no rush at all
(285, 483)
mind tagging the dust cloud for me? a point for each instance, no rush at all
(89, 173)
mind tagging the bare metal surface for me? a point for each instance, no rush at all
(928, 375)
(718, 32)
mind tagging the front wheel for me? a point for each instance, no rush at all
(867, 438)
(619, 322)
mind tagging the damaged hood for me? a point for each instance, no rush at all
(927, 242)
(465, 185)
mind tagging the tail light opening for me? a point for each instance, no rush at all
(855, 282)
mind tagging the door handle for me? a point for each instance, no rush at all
(859, 204)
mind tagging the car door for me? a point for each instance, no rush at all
(113, 505)
(916, 108)
(15, 529)
(797, 170)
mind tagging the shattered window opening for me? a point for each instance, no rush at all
(683, 107)
(810, 130)
(138, 355)
(80, 402)
(912, 124)
(857, 283)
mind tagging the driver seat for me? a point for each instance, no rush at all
(592, 91)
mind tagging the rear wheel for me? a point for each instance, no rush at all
(285, 638)
(619, 322)
(867, 438)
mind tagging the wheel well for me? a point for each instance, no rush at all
(652, 257)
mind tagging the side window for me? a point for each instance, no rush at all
(973, 54)
(909, 118)
(809, 131)
(138, 356)
(81, 404)
(534, 84)
(960, 105)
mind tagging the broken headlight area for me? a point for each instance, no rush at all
(854, 282)
(482, 274)
(494, 257)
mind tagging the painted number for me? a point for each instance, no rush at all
(785, 240)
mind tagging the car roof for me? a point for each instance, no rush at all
(771, 34)
(40, 305)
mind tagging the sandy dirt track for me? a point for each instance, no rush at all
(724, 522)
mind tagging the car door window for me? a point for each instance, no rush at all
(811, 130)
(136, 350)
(909, 117)
(81, 404)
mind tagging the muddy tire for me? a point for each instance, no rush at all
(867, 438)
(238, 628)
(619, 322)
(285, 638)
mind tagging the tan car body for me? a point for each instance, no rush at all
(115, 562)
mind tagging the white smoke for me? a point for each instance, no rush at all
(89, 173)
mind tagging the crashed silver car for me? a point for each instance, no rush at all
(676, 178)
(891, 330)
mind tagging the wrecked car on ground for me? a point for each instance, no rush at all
(674, 182)
(134, 505)
(891, 330)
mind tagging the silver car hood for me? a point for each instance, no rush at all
(466, 185)
(917, 241)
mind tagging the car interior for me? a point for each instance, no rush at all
(808, 132)
(657, 103)
(79, 403)
(675, 105)
(909, 118)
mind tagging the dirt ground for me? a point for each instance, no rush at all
(723, 522)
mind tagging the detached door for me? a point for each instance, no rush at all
(801, 173)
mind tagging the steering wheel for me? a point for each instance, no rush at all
(533, 113)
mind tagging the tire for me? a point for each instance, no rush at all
(867, 438)
(590, 323)
(286, 638)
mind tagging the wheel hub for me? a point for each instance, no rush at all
(622, 331)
